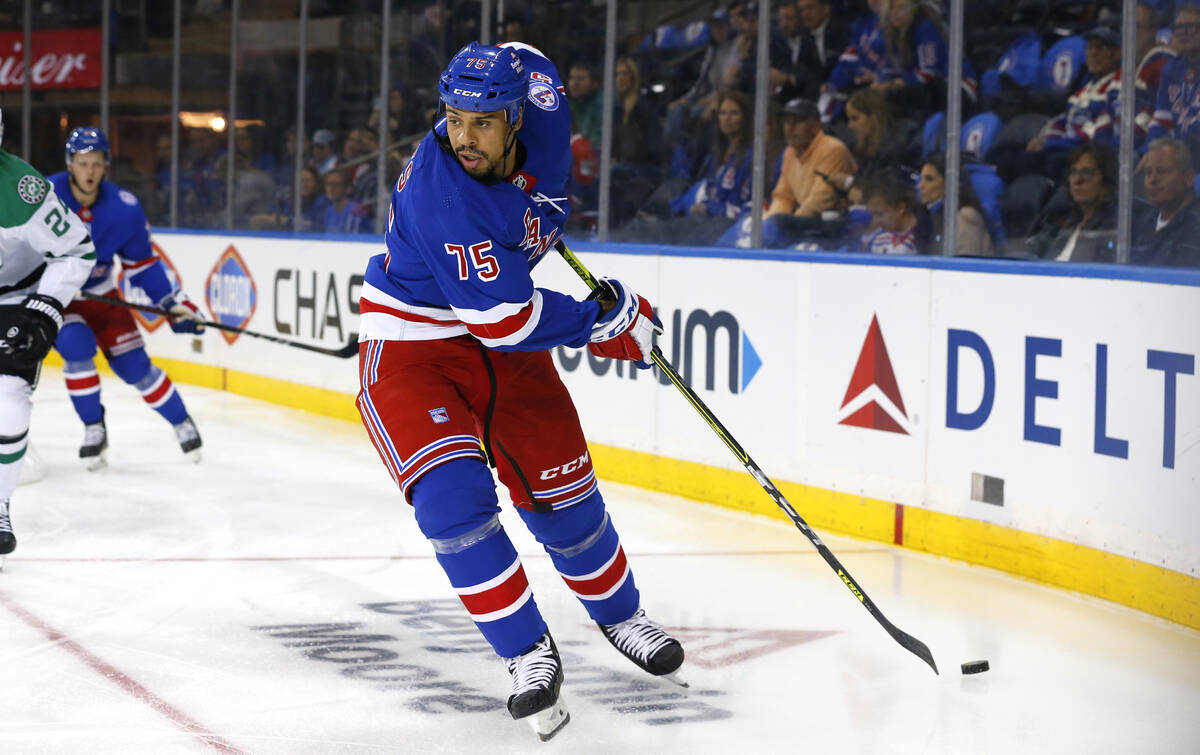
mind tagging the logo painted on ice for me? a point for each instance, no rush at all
(230, 292)
(135, 295)
(543, 96)
(873, 397)
(439, 415)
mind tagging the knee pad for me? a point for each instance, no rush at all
(76, 342)
(132, 366)
(456, 500)
(16, 404)
(571, 529)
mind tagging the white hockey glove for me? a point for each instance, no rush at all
(627, 330)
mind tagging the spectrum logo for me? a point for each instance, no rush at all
(873, 397)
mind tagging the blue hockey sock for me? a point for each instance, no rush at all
(83, 386)
(135, 368)
(456, 508)
(584, 546)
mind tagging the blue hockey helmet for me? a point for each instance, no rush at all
(87, 139)
(484, 78)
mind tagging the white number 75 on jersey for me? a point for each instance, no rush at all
(486, 266)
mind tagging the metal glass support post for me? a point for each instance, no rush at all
(954, 165)
(231, 121)
(758, 189)
(176, 53)
(485, 22)
(105, 63)
(27, 85)
(1129, 64)
(607, 97)
(382, 197)
(301, 74)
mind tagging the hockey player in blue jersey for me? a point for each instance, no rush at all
(121, 234)
(456, 374)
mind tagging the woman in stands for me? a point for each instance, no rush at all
(917, 58)
(637, 142)
(880, 141)
(728, 166)
(1085, 229)
(973, 237)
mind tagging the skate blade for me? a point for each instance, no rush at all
(95, 463)
(675, 677)
(550, 721)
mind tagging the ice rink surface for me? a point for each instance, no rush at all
(278, 598)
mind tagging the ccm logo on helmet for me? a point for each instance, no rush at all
(466, 93)
(568, 468)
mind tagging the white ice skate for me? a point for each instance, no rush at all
(189, 439)
(95, 442)
(645, 643)
(8, 541)
(537, 676)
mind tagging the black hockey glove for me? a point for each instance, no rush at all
(28, 331)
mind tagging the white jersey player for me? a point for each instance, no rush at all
(46, 254)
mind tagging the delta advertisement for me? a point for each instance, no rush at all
(1063, 406)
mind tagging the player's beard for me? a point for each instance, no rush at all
(485, 170)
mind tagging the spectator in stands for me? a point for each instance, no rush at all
(312, 204)
(581, 183)
(698, 105)
(800, 192)
(826, 35)
(1177, 106)
(1084, 231)
(636, 128)
(343, 215)
(323, 155)
(513, 29)
(728, 167)
(880, 141)
(794, 66)
(1092, 112)
(1154, 58)
(1167, 231)
(917, 58)
(365, 179)
(973, 237)
(899, 223)
(863, 58)
(405, 120)
(586, 99)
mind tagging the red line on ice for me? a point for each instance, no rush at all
(113, 674)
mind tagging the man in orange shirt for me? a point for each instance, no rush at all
(801, 191)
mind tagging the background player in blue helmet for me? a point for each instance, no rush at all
(455, 372)
(121, 233)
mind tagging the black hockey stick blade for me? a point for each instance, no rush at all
(343, 352)
(905, 640)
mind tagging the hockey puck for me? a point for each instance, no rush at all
(975, 667)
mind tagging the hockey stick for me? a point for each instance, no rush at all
(907, 641)
(349, 350)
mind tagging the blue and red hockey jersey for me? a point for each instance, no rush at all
(460, 252)
(119, 228)
(1177, 107)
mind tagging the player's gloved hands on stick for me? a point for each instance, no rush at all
(185, 317)
(30, 330)
(627, 330)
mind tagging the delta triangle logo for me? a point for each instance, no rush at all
(873, 397)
